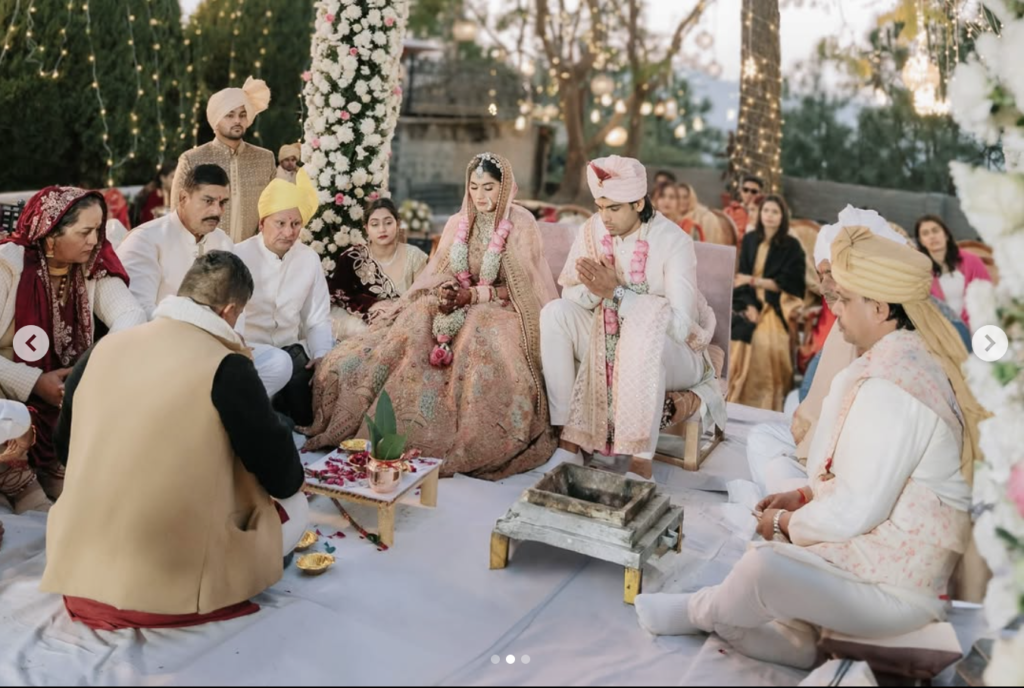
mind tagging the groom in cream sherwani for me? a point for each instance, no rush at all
(630, 319)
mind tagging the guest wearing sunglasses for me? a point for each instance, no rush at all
(751, 195)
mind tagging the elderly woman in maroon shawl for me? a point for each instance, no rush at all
(57, 271)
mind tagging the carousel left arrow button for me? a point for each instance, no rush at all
(31, 343)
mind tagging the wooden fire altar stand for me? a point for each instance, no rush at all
(596, 513)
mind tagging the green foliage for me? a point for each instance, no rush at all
(890, 145)
(816, 145)
(433, 18)
(52, 125)
(385, 442)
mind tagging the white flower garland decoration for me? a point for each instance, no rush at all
(353, 99)
(987, 95)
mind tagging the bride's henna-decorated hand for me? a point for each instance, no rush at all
(451, 297)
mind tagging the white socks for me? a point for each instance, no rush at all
(558, 458)
(665, 614)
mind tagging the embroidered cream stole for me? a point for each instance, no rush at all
(637, 372)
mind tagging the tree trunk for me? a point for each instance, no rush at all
(759, 134)
(636, 121)
(576, 156)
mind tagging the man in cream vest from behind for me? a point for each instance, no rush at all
(167, 517)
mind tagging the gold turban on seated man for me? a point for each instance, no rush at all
(283, 195)
(289, 150)
(882, 270)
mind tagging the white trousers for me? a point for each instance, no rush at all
(565, 341)
(297, 508)
(771, 607)
(273, 365)
(771, 458)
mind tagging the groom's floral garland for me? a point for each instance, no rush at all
(446, 327)
(612, 321)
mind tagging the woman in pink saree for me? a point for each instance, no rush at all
(459, 354)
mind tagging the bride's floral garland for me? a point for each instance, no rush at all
(612, 321)
(446, 327)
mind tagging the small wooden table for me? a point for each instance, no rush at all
(425, 478)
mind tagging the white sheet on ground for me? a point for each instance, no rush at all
(426, 612)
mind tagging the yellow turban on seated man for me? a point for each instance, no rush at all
(884, 271)
(283, 195)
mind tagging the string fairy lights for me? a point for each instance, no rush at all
(235, 16)
(11, 27)
(137, 71)
(261, 50)
(34, 46)
(46, 50)
(197, 31)
(99, 95)
(921, 75)
(758, 147)
(159, 104)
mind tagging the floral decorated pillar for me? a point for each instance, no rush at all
(353, 97)
(987, 100)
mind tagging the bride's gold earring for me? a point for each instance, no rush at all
(49, 249)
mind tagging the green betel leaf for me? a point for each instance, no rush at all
(390, 448)
(385, 417)
(375, 433)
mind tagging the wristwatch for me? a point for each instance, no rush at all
(617, 296)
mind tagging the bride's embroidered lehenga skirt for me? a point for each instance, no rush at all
(482, 414)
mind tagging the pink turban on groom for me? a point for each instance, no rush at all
(621, 180)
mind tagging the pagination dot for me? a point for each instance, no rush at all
(511, 659)
(525, 659)
(495, 659)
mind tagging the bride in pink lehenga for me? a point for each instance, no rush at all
(459, 354)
